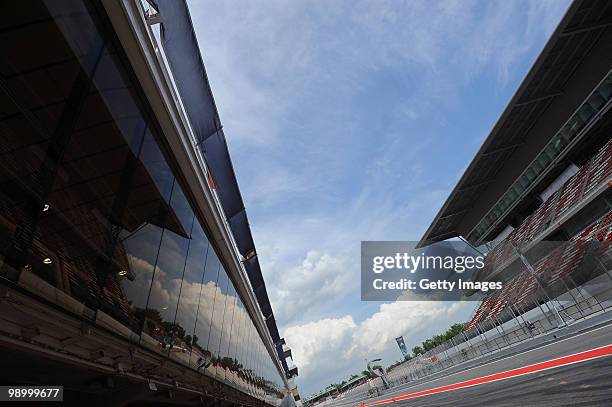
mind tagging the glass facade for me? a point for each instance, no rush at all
(92, 206)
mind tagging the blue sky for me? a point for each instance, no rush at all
(351, 121)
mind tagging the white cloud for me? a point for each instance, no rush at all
(331, 349)
(313, 342)
(319, 280)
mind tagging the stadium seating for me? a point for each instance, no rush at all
(592, 174)
(561, 262)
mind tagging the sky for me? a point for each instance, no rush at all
(350, 121)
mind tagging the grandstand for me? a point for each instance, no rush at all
(537, 194)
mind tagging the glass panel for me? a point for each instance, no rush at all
(141, 252)
(220, 309)
(606, 89)
(260, 367)
(168, 275)
(575, 124)
(157, 168)
(191, 290)
(546, 156)
(240, 339)
(513, 194)
(250, 355)
(224, 348)
(596, 101)
(256, 363)
(201, 355)
(531, 175)
(234, 340)
(586, 112)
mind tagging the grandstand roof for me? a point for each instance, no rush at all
(573, 62)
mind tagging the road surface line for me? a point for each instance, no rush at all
(539, 347)
(536, 367)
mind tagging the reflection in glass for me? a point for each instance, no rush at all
(191, 289)
(171, 261)
(91, 208)
(220, 308)
(225, 361)
(201, 354)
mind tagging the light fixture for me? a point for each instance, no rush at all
(122, 272)
(47, 260)
(46, 208)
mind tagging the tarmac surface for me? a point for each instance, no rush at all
(585, 383)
